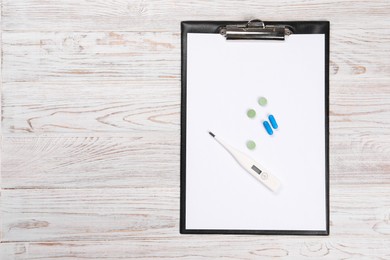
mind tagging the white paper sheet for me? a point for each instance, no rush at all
(224, 80)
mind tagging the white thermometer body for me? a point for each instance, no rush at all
(251, 166)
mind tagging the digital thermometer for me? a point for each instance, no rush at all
(254, 168)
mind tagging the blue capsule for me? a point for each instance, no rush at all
(273, 121)
(267, 127)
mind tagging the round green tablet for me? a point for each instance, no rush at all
(250, 145)
(262, 101)
(251, 113)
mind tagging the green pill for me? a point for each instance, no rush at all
(251, 113)
(250, 145)
(262, 101)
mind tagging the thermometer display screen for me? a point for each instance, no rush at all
(256, 169)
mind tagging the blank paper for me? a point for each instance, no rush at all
(224, 80)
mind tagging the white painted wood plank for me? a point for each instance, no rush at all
(113, 56)
(359, 158)
(92, 162)
(353, 55)
(92, 108)
(83, 214)
(154, 106)
(146, 214)
(360, 108)
(142, 213)
(221, 247)
(1, 105)
(100, 56)
(165, 15)
(141, 160)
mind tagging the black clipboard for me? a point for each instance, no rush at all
(253, 30)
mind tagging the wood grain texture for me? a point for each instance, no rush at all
(99, 56)
(132, 213)
(117, 162)
(1, 111)
(113, 82)
(153, 106)
(96, 107)
(128, 56)
(91, 94)
(188, 247)
(162, 15)
(137, 161)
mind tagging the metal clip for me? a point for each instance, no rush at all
(255, 30)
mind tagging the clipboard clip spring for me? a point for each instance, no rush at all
(255, 30)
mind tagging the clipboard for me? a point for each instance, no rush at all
(227, 66)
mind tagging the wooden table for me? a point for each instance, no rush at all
(90, 130)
